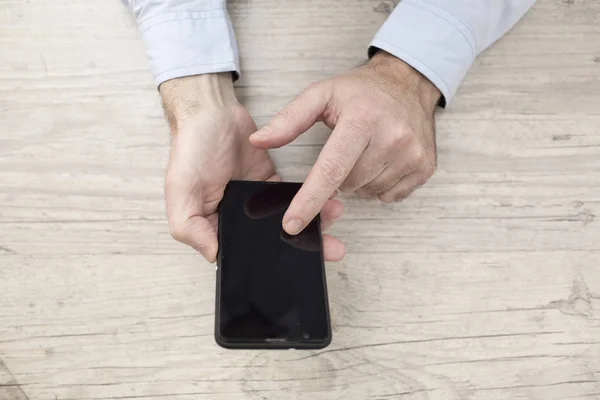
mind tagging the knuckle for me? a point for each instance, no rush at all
(333, 172)
(416, 156)
(398, 141)
(403, 138)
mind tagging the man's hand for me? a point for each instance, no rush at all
(383, 139)
(209, 147)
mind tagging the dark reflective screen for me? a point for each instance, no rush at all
(272, 284)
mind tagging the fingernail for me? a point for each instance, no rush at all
(262, 133)
(293, 226)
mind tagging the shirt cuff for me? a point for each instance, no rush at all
(188, 43)
(432, 40)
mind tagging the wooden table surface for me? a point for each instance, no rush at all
(484, 285)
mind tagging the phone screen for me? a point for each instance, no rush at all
(271, 288)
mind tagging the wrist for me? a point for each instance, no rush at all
(186, 97)
(403, 74)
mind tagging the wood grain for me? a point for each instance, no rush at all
(484, 285)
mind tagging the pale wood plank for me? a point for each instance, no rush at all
(484, 285)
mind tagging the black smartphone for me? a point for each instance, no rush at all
(271, 287)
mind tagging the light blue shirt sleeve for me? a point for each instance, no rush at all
(186, 37)
(442, 38)
(439, 38)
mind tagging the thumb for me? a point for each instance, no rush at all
(203, 237)
(200, 234)
(295, 119)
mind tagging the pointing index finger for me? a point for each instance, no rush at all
(340, 153)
